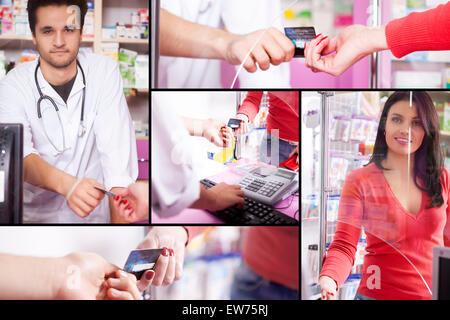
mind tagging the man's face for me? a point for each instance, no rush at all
(57, 37)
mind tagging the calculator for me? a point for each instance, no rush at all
(269, 185)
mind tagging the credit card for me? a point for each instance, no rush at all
(299, 36)
(106, 192)
(234, 123)
(142, 260)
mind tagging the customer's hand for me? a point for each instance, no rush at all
(169, 267)
(132, 203)
(225, 195)
(272, 47)
(329, 288)
(295, 151)
(85, 198)
(243, 127)
(351, 45)
(218, 133)
(88, 276)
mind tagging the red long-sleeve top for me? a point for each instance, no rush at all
(271, 252)
(420, 31)
(400, 244)
(283, 111)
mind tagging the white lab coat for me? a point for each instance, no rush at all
(175, 185)
(236, 16)
(106, 152)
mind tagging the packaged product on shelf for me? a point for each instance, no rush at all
(135, 18)
(312, 206)
(21, 26)
(143, 23)
(7, 20)
(440, 112)
(128, 31)
(143, 30)
(356, 128)
(109, 32)
(313, 257)
(110, 49)
(446, 126)
(127, 56)
(348, 289)
(141, 72)
(338, 171)
(138, 129)
(373, 131)
(124, 71)
(143, 15)
(446, 79)
(88, 28)
(28, 55)
(340, 129)
(333, 207)
(366, 129)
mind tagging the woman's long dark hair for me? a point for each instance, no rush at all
(428, 159)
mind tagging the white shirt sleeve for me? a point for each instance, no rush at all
(265, 14)
(12, 110)
(114, 131)
(175, 185)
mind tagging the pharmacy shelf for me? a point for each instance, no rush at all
(13, 37)
(125, 40)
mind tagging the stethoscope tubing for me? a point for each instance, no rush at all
(42, 97)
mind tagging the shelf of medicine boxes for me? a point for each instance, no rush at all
(97, 39)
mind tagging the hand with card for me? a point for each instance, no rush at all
(267, 47)
(243, 126)
(88, 276)
(418, 31)
(218, 133)
(213, 130)
(132, 203)
(169, 266)
(352, 44)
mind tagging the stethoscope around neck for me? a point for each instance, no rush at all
(81, 129)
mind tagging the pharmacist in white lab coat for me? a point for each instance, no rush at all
(238, 17)
(69, 149)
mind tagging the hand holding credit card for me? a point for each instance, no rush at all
(141, 260)
(299, 36)
(106, 192)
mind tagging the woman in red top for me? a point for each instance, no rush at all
(418, 31)
(282, 123)
(269, 268)
(401, 199)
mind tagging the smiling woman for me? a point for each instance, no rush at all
(411, 115)
(401, 200)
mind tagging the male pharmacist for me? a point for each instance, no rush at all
(78, 133)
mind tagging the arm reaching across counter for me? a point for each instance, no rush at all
(179, 37)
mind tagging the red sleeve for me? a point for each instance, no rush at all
(251, 103)
(420, 31)
(341, 253)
